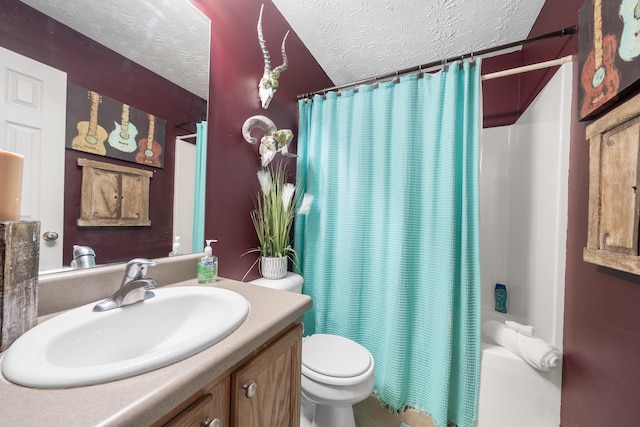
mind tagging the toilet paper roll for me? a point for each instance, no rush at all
(11, 165)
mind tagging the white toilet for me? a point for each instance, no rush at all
(336, 371)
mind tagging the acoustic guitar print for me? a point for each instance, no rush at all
(600, 79)
(123, 137)
(630, 37)
(149, 148)
(91, 136)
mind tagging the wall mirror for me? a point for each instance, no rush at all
(168, 38)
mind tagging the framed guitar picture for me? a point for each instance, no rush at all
(100, 125)
(608, 54)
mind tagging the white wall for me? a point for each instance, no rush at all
(524, 172)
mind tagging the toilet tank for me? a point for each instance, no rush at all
(291, 282)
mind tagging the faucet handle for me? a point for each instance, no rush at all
(137, 268)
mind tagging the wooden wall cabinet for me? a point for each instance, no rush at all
(113, 195)
(614, 189)
(263, 391)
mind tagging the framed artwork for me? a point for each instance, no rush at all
(100, 125)
(608, 53)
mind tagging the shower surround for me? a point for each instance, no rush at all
(523, 226)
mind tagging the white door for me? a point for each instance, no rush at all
(33, 99)
(183, 193)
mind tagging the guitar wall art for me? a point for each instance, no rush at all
(105, 127)
(608, 54)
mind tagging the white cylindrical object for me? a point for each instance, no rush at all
(273, 268)
(11, 165)
(535, 351)
(527, 330)
(527, 68)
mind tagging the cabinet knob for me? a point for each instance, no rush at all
(208, 422)
(250, 389)
(50, 236)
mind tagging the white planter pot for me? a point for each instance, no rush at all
(273, 268)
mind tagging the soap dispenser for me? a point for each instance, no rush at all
(208, 265)
(175, 250)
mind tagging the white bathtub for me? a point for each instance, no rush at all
(512, 393)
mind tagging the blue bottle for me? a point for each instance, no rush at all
(501, 298)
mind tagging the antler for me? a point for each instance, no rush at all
(273, 141)
(269, 81)
(283, 67)
(257, 122)
(263, 45)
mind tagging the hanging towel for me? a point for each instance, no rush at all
(535, 351)
(527, 330)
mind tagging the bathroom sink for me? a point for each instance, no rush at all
(82, 347)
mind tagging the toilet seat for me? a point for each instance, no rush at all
(335, 360)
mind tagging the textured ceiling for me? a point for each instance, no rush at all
(357, 39)
(350, 39)
(168, 37)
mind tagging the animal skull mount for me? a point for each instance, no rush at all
(272, 142)
(269, 81)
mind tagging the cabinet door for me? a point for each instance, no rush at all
(106, 193)
(265, 392)
(134, 197)
(210, 410)
(620, 204)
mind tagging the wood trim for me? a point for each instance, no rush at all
(615, 260)
(594, 192)
(615, 117)
(114, 168)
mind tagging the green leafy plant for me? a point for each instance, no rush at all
(274, 213)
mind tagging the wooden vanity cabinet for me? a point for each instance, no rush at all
(209, 410)
(262, 391)
(266, 390)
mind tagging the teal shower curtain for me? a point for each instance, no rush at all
(199, 193)
(390, 249)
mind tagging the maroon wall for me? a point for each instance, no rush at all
(506, 98)
(601, 369)
(92, 66)
(501, 97)
(601, 372)
(232, 163)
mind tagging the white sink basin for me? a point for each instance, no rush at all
(83, 347)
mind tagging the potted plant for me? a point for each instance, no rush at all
(275, 209)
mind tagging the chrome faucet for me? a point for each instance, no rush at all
(83, 257)
(134, 287)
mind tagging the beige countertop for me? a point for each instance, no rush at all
(145, 398)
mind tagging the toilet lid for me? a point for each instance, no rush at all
(335, 356)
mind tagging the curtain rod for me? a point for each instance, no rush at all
(526, 68)
(182, 125)
(423, 67)
(183, 137)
